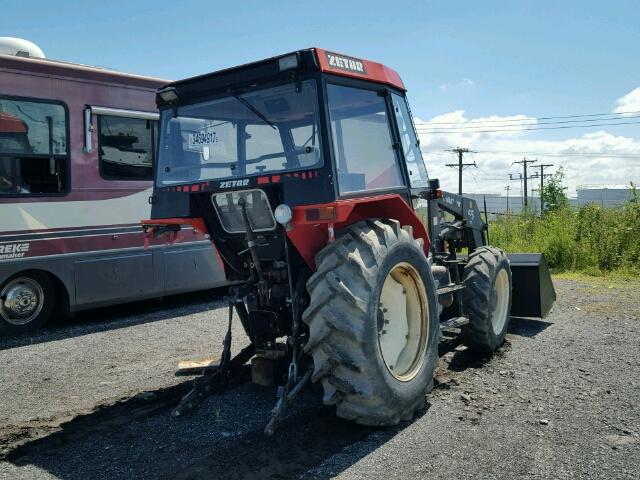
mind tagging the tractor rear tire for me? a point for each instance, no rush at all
(373, 325)
(487, 299)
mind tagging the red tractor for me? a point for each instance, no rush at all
(305, 170)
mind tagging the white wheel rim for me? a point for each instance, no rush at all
(403, 326)
(21, 301)
(500, 301)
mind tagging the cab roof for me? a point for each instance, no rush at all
(301, 61)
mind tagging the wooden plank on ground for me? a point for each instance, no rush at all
(194, 367)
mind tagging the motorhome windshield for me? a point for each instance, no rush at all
(267, 130)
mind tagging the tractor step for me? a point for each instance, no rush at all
(455, 322)
(214, 381)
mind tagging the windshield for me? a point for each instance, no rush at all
(267, 130)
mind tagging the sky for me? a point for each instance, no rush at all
(470, 67)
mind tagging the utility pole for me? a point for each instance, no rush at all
(460, 166)
(507, 188)
(524, 162)
(542, 175)
(519, 177)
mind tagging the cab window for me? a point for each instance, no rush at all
(33, 147)
(264, 149)
(409, 142)
(362, 141)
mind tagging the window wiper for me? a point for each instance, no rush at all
(254, 110)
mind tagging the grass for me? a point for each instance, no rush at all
(612, 280)
(620, 286)
(590, 240)
(621, 279)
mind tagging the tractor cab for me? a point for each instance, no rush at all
(303, 135)
(303, 170)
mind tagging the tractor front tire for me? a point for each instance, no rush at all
(373, 325)
(487, 299)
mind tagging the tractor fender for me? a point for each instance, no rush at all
(312, 226)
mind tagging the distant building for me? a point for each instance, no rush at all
(604, 195)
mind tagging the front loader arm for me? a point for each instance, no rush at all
(466, 230)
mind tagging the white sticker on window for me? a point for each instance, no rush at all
(203, 137)
(206, 141)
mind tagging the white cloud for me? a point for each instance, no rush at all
(585, 158)
(465, 82)
(477, 128)
(629, 103)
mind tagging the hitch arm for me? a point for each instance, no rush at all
(214, 382)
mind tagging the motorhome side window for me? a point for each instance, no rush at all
(33, 147)
(126, 147)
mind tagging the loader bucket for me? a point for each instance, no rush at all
(533, 293)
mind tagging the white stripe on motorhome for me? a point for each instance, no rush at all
(43, 235)
(71, 214)
(79, 236)
(75, 236)
(113, 250)
(79, 229)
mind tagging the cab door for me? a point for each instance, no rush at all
(365, 146)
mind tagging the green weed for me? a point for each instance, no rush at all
(590, 239)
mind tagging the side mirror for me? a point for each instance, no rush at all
(434, 184)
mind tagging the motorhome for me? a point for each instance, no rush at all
(77, 150)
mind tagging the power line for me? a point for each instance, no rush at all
(542, 154)
(466, 126)
(539, 118)
(475, 179)
(524, 129)
(568, 154)
(491, 179)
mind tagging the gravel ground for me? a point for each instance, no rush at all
(91, 399)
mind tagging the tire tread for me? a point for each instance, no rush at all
(340, 293)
